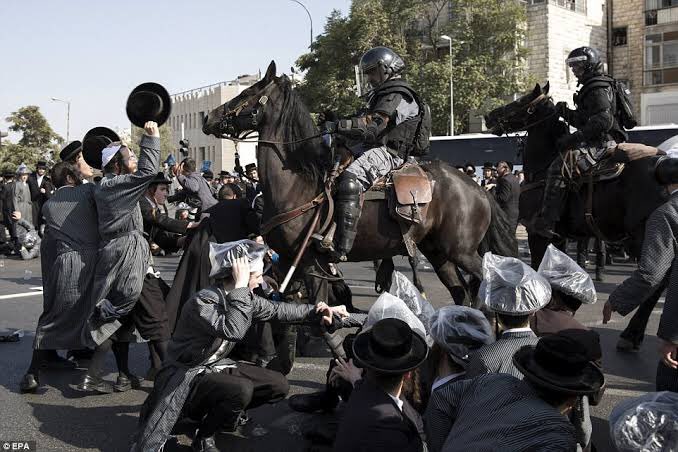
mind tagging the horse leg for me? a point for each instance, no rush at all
(414, 263)
(448, 273)
(473, 265)
(538, 245)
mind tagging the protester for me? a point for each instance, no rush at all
(489, 181)
(514, 292)
(228, 191)
(500, 412)
(657, 264)
(507, 192)
(69, 255)
(123, 254)
(27, 240)
(18, 204)
(198, 377)
(376, 416)
(72, 153)
(194, 185)
(43, 189)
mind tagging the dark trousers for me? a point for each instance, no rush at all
(217, 399)
(635, 330)
(667, 378)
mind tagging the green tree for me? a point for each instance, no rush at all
(38, 141)
(487, 54)
(167, 144)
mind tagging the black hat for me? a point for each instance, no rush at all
(71, 150)
(208, 175)
(390, 347)
(41, 164)
(563, 363)
(250, 166)
(148, 102)
(466, 165)
(7, 174)
(224, 173)
(666, 170)
(94, 142)
(160, 178)
(488, 165)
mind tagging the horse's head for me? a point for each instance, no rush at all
(519, 114)
(246, 112)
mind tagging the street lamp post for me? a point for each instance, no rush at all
(449, 40)
(309, 18)
(68, 116)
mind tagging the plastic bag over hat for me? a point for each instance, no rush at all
(386, 307)
(222, 256)
(510, 287)
(403, 288)
(459, 330)
(648, 423)
(565, 276)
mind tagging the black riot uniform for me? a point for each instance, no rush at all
(394, 125)
(597, 125)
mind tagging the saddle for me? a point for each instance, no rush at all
(576, 170)
(408, 191)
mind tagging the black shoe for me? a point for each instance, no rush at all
(204, 444)
(600, 277)
(127, 382)
(29, 383)
(94, 384)
(310, 403)
(625, 345)
(57, 362)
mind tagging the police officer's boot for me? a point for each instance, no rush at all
(551, 211)
(347, 215)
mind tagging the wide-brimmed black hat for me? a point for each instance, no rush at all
(7, 174)
(94, 142)
(390, 347)
(148, 102)
(208, 175)
(160, 178)
(224, 173)
(561, 362)
(41, 164)
(250, 166)
(71, 150)
(488, 165)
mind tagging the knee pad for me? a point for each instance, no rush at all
(348, 187)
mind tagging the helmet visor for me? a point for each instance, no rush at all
(368, 79)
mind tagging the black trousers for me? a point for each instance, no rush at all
(217, 399)
(635, 330)
(667, 378)
(150, 312)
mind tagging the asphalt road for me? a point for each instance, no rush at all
(59, 418)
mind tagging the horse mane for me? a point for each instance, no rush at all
(308, 157)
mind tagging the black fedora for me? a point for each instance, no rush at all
(148, 102)
(94, 142)
(71, 150)
(390, 347)
(41, 164)
(561, 362)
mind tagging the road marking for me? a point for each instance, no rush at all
(21, 295)
(624, 392)
(600, 322)
(310, 366)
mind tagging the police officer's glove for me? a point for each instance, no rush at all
(570, 141)
(327, 115)
(561, 110)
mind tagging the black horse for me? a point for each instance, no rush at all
(620, 206)
(461, 221)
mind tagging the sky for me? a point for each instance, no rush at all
(95, 52)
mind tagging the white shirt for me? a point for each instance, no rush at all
(397, 401)
(441, 381)
(39, 178)
(518, 330)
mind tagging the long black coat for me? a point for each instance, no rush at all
(39, 198)
(373, 422)
(507, 194)
(229, 220)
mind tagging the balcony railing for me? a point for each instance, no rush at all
(578, 6)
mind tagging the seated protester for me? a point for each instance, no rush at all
(457, 332)
(198, 378)
(498, 412)
(377, 418)
(648, 422)
(570, 287)
(27, 243)
(514, 292)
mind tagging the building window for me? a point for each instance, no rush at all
(661, 58)
(202, 119)
(202, 153)
(619, 36)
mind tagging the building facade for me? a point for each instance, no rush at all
(189, 110)
(644, 48)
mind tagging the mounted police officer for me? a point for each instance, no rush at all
(394, 125)
(598, 129)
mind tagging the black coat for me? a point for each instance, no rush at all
(373, 422)
(228, 221)
(38, 197)
(507, 194)
(160, 228)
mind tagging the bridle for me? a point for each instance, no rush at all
(530, 109)
(240, 122)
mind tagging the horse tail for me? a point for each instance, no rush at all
(499, 238)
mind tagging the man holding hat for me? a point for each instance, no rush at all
(498, 412)
(198, 379)
(124, 252)
(514, 292)
(376, 417)
(657, 264)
